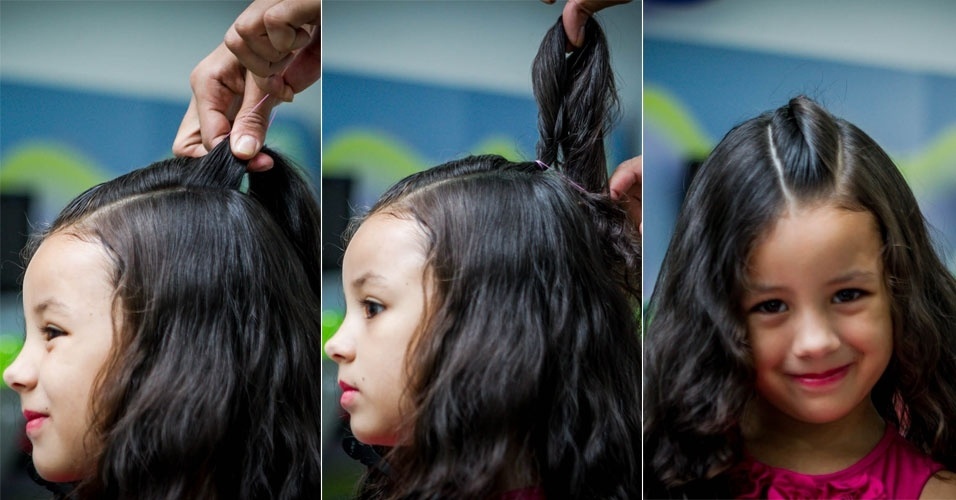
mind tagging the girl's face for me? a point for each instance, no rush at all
(818, 313)
(67, 305)
(382, 274)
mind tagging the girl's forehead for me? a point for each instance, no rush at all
(385, 245)
(816, 238)
(70, 272)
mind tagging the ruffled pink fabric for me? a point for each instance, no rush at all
(763, 481)
(894, 469)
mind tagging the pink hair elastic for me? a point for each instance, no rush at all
(544, 166)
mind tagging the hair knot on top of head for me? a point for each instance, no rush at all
(805, 148)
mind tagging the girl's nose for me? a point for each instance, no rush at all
(21, 375)
(816, 336)
(341, 347)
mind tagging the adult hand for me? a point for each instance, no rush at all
(224, 105)
(625, 185)
(274, 43)
(576, 14)
(279, 42)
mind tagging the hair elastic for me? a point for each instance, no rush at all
(544, 166)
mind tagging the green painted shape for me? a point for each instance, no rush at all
(935, 164)
(501, 146)
(331, 321)
(675, 122)
(384, 160)
(9, 348)
(369, 155)
(48, 167)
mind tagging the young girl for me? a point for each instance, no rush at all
(801, 340)
(172, 336)
(490, 346)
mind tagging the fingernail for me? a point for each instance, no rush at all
(246, 146)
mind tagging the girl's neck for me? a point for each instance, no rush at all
(779, 440)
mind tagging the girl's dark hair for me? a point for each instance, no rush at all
(210, 390)
(528, 356)
(699, 369)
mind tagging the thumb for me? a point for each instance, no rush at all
(249, 129)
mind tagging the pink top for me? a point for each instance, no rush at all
(895, 469)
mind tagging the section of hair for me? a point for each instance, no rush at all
(577, 102)
(527, 367)
(211, 389)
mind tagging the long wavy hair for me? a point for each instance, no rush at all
(699, 368)
(209, 391)
(528, 356)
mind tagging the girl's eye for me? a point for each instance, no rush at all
(52, 332)
(372, 308)
(847, 295)
(770, 307)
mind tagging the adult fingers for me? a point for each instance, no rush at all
(188, 141)
(249, 35)
(287, 23)
(248, 39)
(576, 13)
(252, 120)
(217, 83)
(306, 68)
(626, 186)
(273, 63)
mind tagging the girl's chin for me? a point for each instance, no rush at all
(373, 438)
(55, 474)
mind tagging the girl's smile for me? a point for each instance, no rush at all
(822, 381)
(818, 313)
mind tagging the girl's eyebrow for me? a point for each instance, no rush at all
(762, 288)
(50, 303)
(368, 276)
(854, 275)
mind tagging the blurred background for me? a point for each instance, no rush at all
(887, 66)
(88, 91)
(411, 84)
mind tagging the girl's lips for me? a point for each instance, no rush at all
(348, 395)
(822, 379)
(35, 420)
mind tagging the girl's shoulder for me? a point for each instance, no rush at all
(940, 485)
(893, 469)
